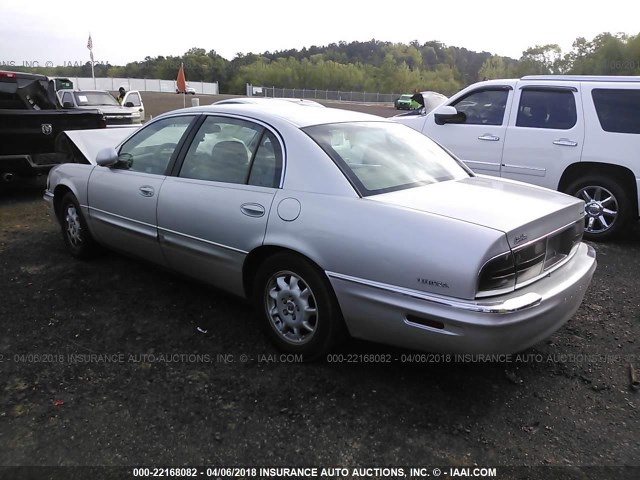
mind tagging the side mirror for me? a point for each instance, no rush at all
(128, 104)
(67, 105)
(447, 114)
(107, 157)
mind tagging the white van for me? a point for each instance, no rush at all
(576, 134)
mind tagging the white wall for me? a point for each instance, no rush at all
(142, 84)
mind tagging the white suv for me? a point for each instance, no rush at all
(576, 134)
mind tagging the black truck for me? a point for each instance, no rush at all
(31, 124)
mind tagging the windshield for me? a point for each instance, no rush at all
(94, 99)
(381, 157)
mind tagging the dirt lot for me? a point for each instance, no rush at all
(103, 363)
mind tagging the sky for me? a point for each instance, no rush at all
(48, 33)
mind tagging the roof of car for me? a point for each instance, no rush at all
(584, 78)
(31, 76)
(300, 117)
(296, 101)
(82, 91)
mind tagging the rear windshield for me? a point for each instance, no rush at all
(618, 109)
(380, 157)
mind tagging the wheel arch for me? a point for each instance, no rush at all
(58, 194)
(621, 175)
(258, 255)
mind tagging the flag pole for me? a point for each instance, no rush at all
(93, 73)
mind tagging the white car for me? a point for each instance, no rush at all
(576, 134)
(188, 90)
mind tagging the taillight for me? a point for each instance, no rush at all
(7, 75)
(530, 260)
(497, 276)
(525, 264)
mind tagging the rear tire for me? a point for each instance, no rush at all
(297, 306)
(608, 209)
(75, 232)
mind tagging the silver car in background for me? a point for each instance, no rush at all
(334, 222)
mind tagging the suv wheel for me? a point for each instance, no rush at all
(607, 207)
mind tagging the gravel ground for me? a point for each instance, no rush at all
(106, 363)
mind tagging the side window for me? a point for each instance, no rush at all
(151, 149)
(134, 98)
(618, 110)
(67, 98)
(555, 109)
(222, 150)
(267, 163)
(484, 107)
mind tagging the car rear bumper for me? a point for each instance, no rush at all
(505, 324)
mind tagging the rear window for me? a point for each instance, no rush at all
(618, 109)
(382, 157)
(546, 108)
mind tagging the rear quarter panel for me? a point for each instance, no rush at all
(383, 243)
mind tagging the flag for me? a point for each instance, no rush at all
(181, 81)
(90, 47)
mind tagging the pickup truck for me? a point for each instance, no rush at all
(31, 125)
(131, 111)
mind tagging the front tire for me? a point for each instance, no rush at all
(297, 306)
(75, 232)
(608, 210)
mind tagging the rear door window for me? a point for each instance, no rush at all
(547, 108)
(231, 150)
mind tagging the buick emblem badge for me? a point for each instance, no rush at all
(519, 239)
(47, 128)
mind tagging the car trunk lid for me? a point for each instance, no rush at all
(523, 212)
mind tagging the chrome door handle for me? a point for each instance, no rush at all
(252, 209)
(488, 137)
(147, 191)
(565, 142)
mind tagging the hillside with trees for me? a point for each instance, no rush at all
(378, 66)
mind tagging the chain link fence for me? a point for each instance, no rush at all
(316, 94)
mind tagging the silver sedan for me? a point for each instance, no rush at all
(333, 223)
